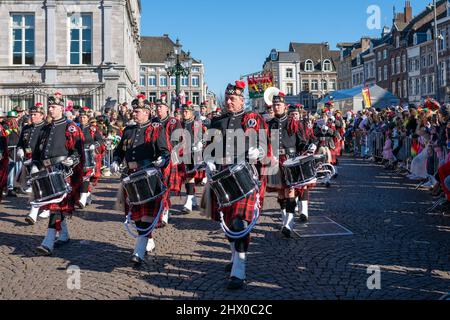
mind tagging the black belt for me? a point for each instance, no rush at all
(52, 161)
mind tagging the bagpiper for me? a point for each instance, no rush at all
(94, 148)
(142, 146)
(60, 148)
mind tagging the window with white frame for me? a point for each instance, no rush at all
(195, 69)
(289, 89)
(385, 71)
(399, 88)
(379, 74)
(305, 85)
(289, 73)
(324, 85)
(81, 39)
(397, 64)
(142, 80)
(411, 87)
(443, 74)
(393, 87)
(162, 81)
(379, 55)
(397, 42)
(196, 98)
(23, 39)
(152, 81)
(185, 81)
(152, 97)
(314, 85)
(327, 67)
(385, 54)
(417, 85)
(430, 84)
(424, 85)
(392, 66)
(173, 81)
(309, 66)
(332, 85)
(430, 60)
(195, 81)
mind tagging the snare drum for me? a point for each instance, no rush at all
(89, 159)
(144, 186)
(299, 171)
(47, 185)
(234, 184)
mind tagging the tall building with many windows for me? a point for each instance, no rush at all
(88, 50)
(153, 78)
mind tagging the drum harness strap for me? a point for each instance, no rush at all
(149, 229)
(53, 201)
(239, 235)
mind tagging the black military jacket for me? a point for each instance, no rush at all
(288, 144)
(60, 138)
(137, 146)
(29, 137)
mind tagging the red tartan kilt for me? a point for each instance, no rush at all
(175, 180)
(67, 206)
(199, 176)
(98, 166)
(3, 173)
(242, 209)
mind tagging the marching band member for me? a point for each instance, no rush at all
(27, 148)
(143, 145)
(291, 142)
(95, 144)
(196, 130)
(170, 124)
(60, 142)
(204, 114)
(239, 215)
(4, 161)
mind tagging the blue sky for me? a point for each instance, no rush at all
(234, 37)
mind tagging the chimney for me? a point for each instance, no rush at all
(166, 35)
(408, 12)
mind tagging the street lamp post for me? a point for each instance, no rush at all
(437, 38)
(176, 67)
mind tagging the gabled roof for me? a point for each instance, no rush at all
(313, 51)
(156, 49)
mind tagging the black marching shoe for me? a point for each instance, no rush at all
(44, 251)
(228, 267)
(136, 261)
(286, 232)
(235, 283)
(303, 218)
(30, 221)
(11, 194)
(186, 211)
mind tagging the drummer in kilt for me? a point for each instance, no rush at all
(240, 214)
(4, 161)
(26, 148)
(171, 125)
(143, 145)
(291, 142)
(94, 144)
(192, 148)
(60, 144)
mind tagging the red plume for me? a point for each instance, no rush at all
(141, 96)
(240, 84)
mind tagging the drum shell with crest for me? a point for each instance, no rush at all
(49, 183)
(299, 171)
(234, 184)
(144, 186)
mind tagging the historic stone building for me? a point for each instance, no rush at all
(154, 80)
(88, 50)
